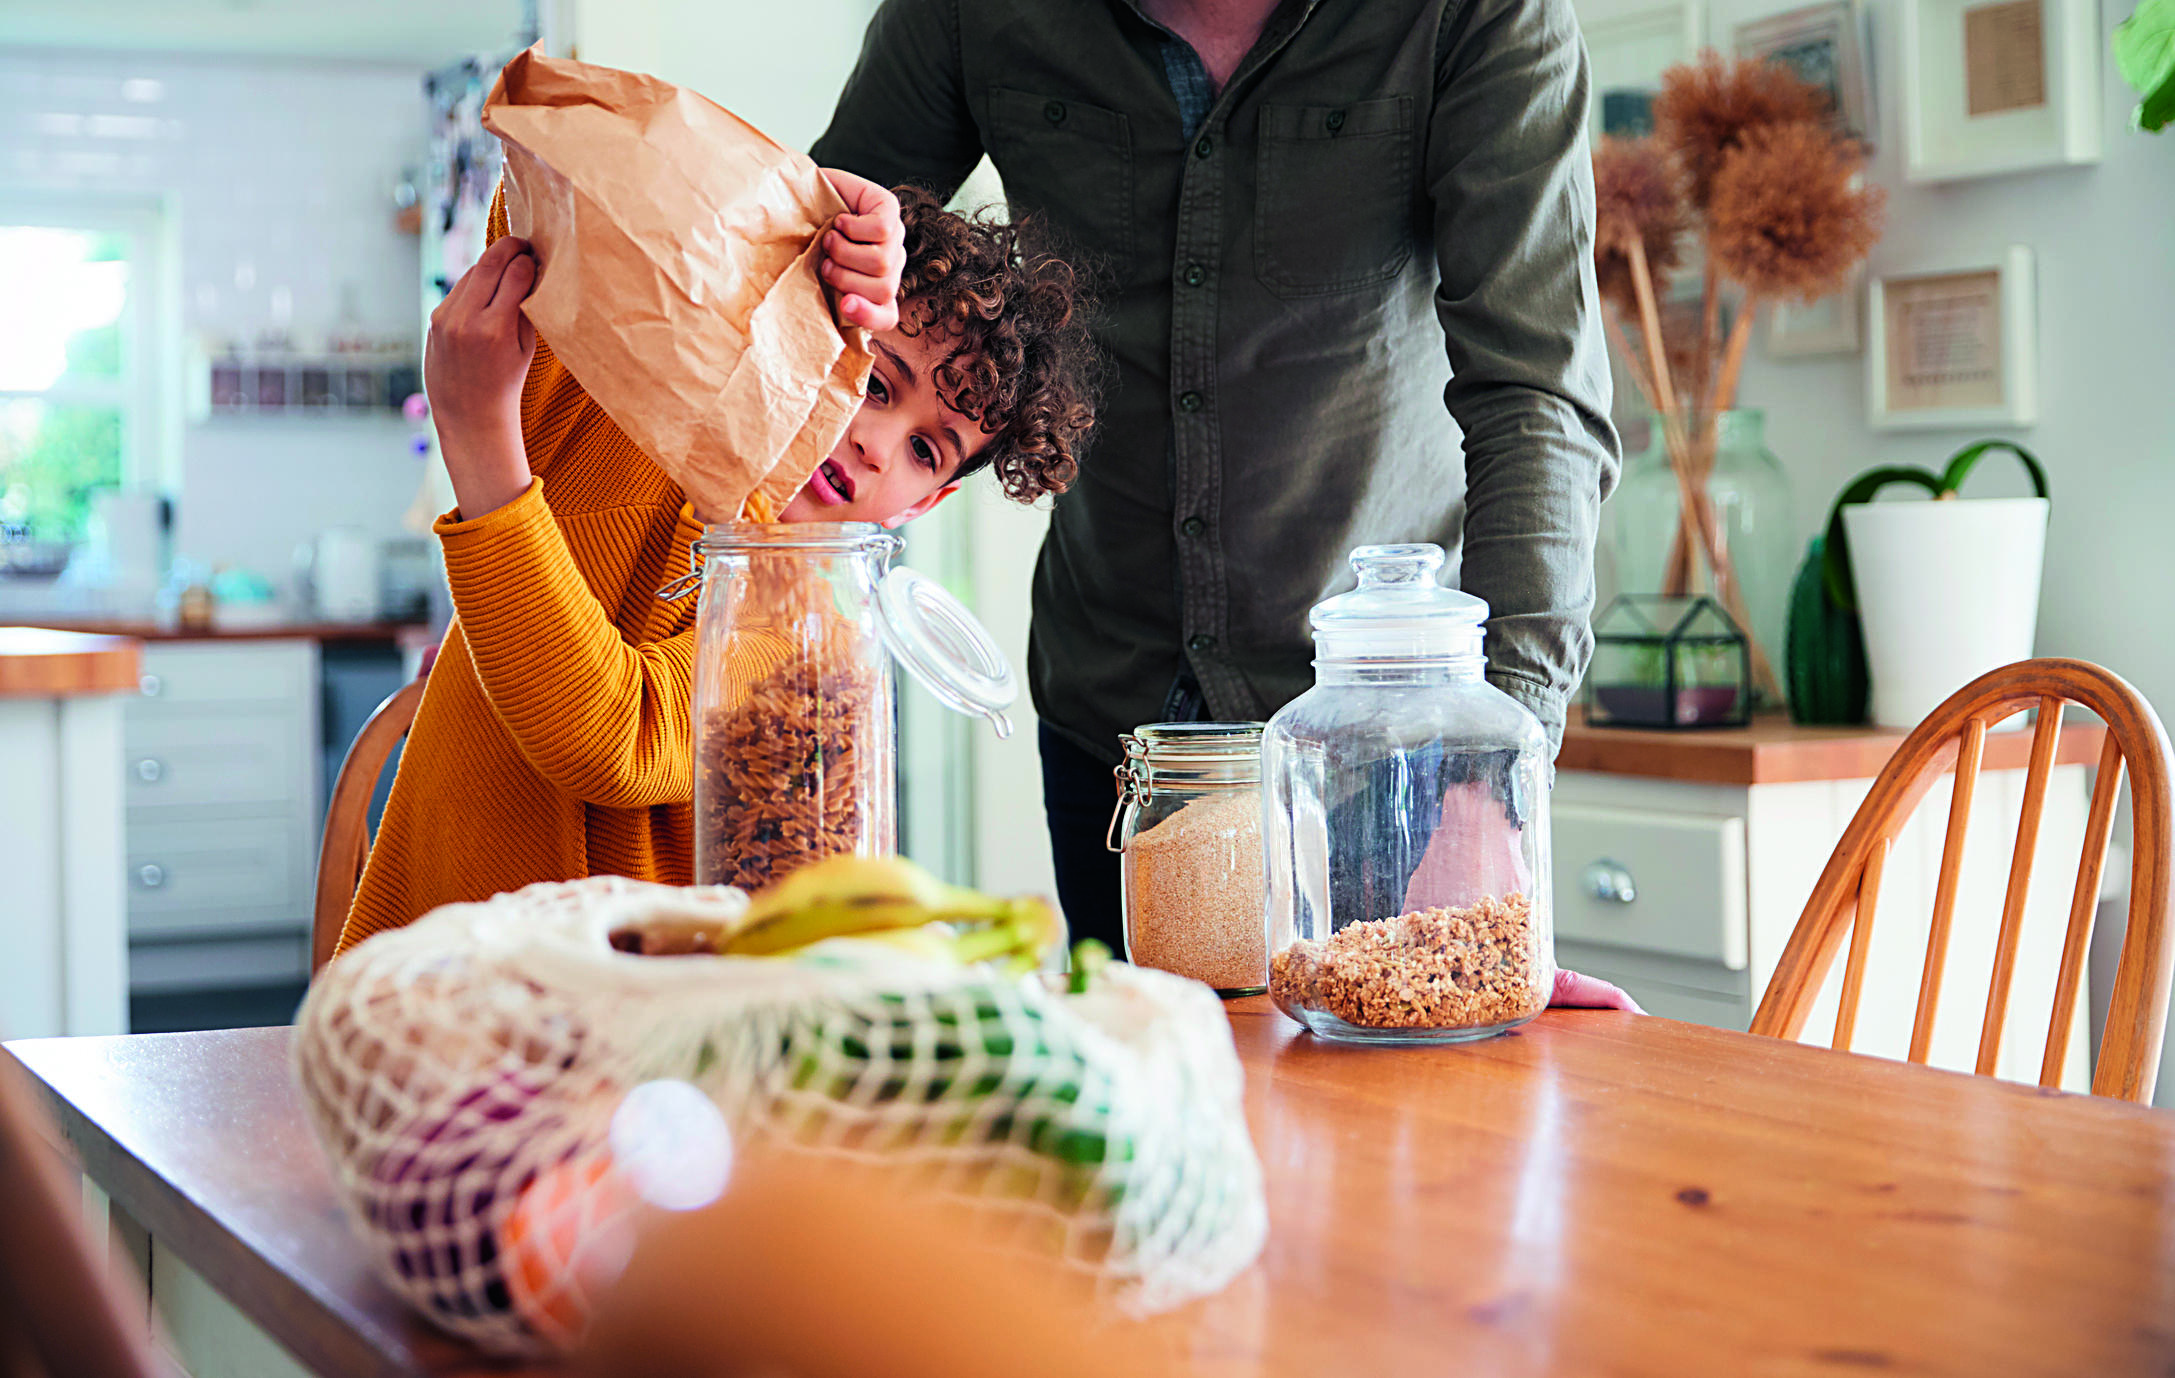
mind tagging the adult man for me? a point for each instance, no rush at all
(1294, 206)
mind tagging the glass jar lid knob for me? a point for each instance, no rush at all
(1401, 609)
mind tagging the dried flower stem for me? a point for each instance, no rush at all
(1642, 283)
(1632, 362)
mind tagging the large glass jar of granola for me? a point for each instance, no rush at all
(1405, 826)
(796, 748)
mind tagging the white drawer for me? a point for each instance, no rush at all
(218, 964)
(184, 676)
(208, 758)
(1686, 881)
(216, 876)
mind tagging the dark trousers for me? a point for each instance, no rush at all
(1078, 794)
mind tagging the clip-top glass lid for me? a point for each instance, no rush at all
(945, 647)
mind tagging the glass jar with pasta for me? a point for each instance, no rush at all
(795, 724)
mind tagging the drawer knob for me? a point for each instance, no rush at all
(1610, 882)
(150, 770)
(150, 685)
(151, 876)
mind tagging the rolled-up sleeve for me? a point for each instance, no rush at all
(1510, 178)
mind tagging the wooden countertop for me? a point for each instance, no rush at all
(405, 633)
(1774, 751)
(1598, 1192)
(38, 663)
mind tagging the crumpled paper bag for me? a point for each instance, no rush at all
(677, 248)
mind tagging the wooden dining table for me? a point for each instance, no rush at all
(1595, 1193)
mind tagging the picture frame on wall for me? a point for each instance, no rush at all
(1801, 330)
(1629, 44)
(1999, 86)
(1829, 45)
(1954, 347)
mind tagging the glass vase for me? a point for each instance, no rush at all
(1744, 558)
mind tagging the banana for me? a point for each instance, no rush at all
(843, 896)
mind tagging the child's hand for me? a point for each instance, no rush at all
(864, 252)
(473, 367)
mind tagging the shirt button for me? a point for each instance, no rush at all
(1193, 526)
(1200, 641)
(1203, 148)
(1335, 120)
(1054, 112)
(1189, 401)
(1195, 275)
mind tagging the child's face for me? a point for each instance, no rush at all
(902, 447)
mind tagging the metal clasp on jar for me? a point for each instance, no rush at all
(679, 588)
(1135, 785)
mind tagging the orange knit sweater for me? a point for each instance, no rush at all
(553, 738)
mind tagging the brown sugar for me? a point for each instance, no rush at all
(1469, 968)
(1193, 887)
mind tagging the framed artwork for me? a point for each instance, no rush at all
(1954, 347)
(1827, 326)
(1829, 45)
(1629, 45)
(1996, 86)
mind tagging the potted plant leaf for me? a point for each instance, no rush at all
(1945, 589)
(2145, 53)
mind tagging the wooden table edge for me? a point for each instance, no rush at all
(267, 1295)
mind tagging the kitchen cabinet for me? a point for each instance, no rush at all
(221, 777)
(63, 939)
(1683, 859)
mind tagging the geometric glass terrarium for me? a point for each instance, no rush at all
(1660, 661)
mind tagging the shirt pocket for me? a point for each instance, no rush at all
(1334, 195)
(1071, 164)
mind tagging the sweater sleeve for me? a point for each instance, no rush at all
(603, 720)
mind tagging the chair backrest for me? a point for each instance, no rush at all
(1954, 734)
(347, 817)
(64, 1310)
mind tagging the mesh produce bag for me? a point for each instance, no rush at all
(464, 1070)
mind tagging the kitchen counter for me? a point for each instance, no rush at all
(42, 663)
(64, 940)
(407, 634)
(1597, 1192)
(1775, 751)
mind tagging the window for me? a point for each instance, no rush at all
(74, 373)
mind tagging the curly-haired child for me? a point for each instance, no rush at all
(553, 739)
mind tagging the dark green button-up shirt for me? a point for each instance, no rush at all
(1387, 209)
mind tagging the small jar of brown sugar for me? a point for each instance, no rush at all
(1188, 826)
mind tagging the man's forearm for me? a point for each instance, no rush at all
(1536, 470)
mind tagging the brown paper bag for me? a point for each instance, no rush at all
(678, 249)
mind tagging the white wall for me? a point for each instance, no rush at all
(277, 178)
(777, 66)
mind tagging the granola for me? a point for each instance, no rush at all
(1430, 969)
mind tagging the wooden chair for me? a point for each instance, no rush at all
(64, 1313)
(1843, 901)
(347, 817)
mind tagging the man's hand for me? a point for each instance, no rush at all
(1576, 992)
(479, 352)
(864, 252)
